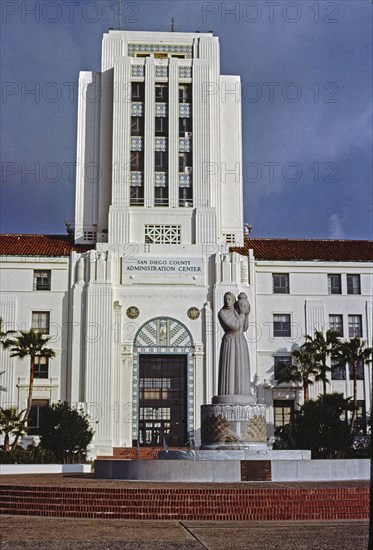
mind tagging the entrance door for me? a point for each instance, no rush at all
(162, 400)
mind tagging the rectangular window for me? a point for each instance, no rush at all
(185, 161)
(355, 326)
(280, 283)
(338, 371)
(283, 412)
(41, 367)
(161, 92)
(137, 126)
(137, 160)
(137, 91)
(185, 127)
(185, 93)
(353, 284)
(40, 321)
(36, 413)
(336, 323)
(361, 418)
(280, 362)
(42, 280)
(334, 284)
(137, 194)
(161, 195)
(281, 325)
(161, 160)
(161, 125)
(359, 371)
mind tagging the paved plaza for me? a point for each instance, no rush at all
(40, 533)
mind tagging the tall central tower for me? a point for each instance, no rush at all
(159, 143)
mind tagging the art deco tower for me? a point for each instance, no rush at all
(159, 143)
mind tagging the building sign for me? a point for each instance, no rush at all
(167, 269)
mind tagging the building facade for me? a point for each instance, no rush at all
(131, 299)
(295, 287)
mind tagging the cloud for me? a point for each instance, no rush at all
(336, 230)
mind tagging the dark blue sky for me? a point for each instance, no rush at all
(306, 71)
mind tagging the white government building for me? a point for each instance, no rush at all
(131, 295)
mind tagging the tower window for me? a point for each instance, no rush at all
(161, 125)
(137, 91)
(161, 92)
(137, 160)
(137, 126)
(185, 93)
(161, 160)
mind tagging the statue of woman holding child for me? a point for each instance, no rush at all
(234, 362)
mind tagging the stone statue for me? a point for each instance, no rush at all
(234, 362)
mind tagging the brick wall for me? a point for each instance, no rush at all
(295, 502)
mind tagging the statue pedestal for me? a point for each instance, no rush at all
(233, 422)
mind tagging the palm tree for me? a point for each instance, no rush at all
(4, 335)
(303, 371)
(32, 344)
(11, 422)
(321, 347)
(353, 352)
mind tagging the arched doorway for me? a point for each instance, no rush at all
(163, 383)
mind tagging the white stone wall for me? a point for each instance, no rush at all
(17, 302)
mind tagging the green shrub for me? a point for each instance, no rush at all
(319, 426)
(66, 432)
(31, 455)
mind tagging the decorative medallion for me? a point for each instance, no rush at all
(133, 312)
(193, 313)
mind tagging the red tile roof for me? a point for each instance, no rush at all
(264, 249)
(39, 245)
(308, 249)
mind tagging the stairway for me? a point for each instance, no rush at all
(225, 502)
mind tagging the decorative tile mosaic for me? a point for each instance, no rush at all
(134, 48)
